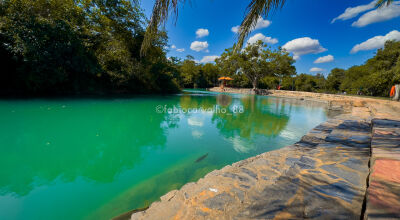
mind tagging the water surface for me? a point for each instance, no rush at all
(98, 158)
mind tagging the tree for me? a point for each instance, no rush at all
(257, 61)
(377, 75)
(283, 65)
(79, 46)
(255, 9)
(335, 79)
(310, 83)
(189, 72)
(211, 73)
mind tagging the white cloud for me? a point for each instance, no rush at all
(324, 59)
(240, 146)
(261, 23)
(208, 59)
(378, 15)
(197, 134)
(181, 50)
(263, 38)
(173, 46)
(302, 46)
(196, 121)
(199, 46)
(316, 69)
(376, 42)
(202, 33)
(235, 29)
(353, 12)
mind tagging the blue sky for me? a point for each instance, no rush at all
(303, 27)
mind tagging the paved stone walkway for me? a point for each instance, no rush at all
(383, 196)
(326, 175)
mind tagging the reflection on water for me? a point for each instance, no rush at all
(224, 100)
(95, 159)
(247, 124)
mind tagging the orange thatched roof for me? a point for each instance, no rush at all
(225, 78)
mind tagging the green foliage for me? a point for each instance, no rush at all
(93, 47)
(79, 46)
(196, 75)
(334, 80)
(190, 73)
(377, 75)
(374, 78)
(211, 74)
(310, 83)
(256, 62)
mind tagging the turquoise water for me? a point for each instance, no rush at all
(98, 158)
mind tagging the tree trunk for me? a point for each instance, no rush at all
(255, 82)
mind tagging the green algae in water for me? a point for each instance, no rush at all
(99, 158)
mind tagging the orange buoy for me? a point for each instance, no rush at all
(392, 91)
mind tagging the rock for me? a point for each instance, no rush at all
(386, 123)
(345, 174)
(358, 103)
(236, 177)
(350, 138)
(272, 199)
(169, 196)
(319, 206)
(219, 201)
(249, 173)
(340, 190)
(353, 125)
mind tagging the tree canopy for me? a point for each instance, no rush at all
(79, 46)
(374, 78)
(257, 61)
(50, 47)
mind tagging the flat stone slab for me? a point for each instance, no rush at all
(383, 197)
(355, 133)
(350, 138)
(386, 123)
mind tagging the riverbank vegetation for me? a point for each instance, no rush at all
(94, 47)
(373, 78)
(270, 69)
(80, 46)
